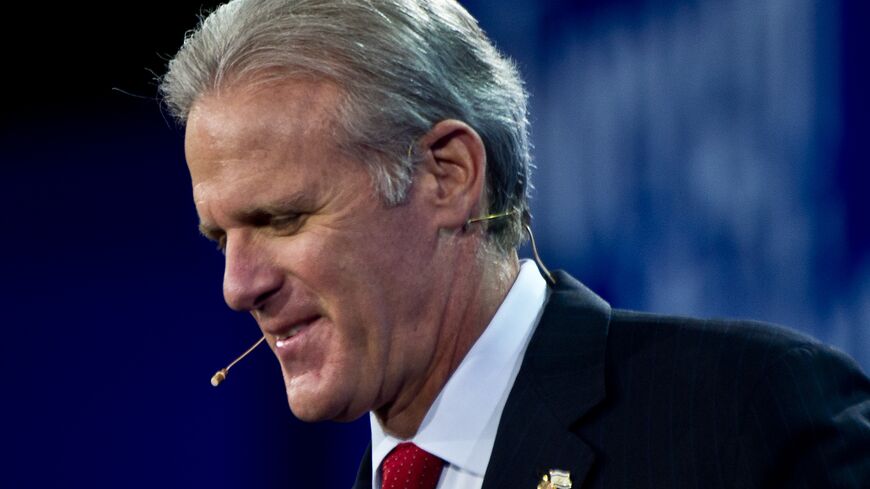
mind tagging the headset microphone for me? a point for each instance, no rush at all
(221, 374)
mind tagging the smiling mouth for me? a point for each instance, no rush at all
(284, 339)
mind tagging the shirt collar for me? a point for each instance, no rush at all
(461, 424)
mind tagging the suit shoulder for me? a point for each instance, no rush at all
(710, 359)
(758, 404)
(705, 339)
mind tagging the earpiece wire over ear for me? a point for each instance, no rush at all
(526, 219)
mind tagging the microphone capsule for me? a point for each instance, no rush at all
(218, 377)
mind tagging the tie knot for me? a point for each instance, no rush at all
(410, 467)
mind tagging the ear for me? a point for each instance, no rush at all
(453, 172)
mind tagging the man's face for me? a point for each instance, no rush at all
(337, 281)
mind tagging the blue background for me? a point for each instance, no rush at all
(702, 157)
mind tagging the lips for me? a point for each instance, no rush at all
(284, 338)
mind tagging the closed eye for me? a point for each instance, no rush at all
(279, 223)
(286, 224)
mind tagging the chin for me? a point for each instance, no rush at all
(311, 411)
(320, 396)
(309, 406)
(307, 409)
(319, 404)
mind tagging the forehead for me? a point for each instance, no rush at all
(252, 117)
(251, 132)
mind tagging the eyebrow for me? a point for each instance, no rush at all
(212, 233)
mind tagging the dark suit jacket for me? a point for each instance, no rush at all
(631, 400)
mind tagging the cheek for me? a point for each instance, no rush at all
(344, 270)
(345, 281)
(368, 282)
(354, 369)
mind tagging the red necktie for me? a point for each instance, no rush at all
(410, 467)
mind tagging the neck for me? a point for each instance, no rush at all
(472, 299)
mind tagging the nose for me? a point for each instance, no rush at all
(250, 275)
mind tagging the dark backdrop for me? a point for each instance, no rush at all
(703, 157)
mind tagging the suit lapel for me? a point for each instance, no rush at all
(561, 379)
(364, 474)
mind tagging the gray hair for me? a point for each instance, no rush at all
(402, 66)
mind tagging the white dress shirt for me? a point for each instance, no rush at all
(461, 424)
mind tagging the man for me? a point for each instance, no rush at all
(364, 166)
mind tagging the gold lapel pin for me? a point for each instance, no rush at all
(556, 479)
